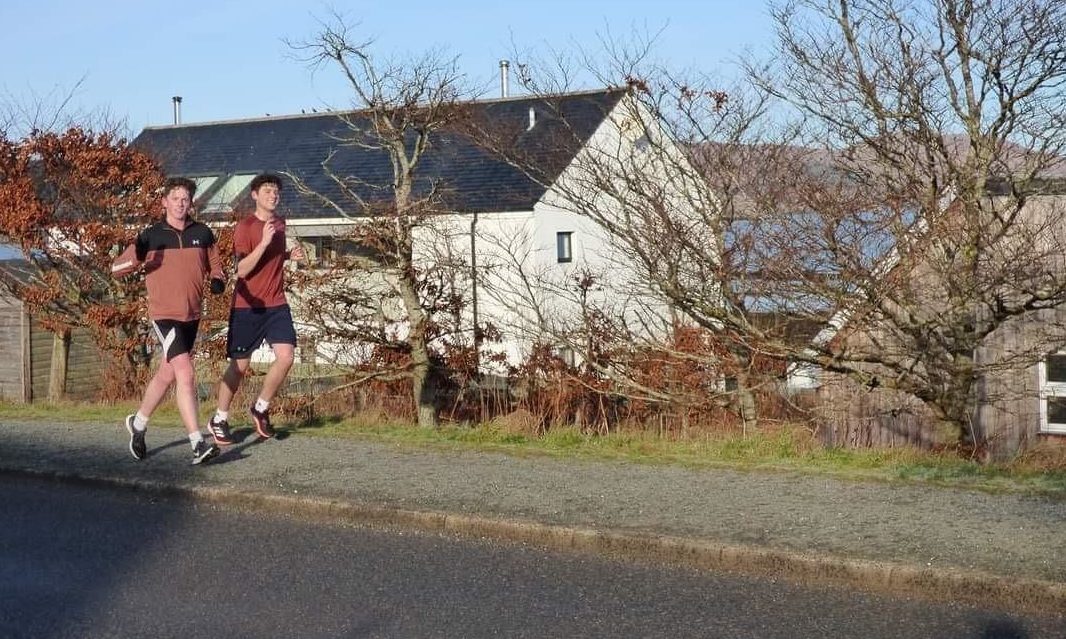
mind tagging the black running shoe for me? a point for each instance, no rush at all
(203, 452)
(262, 423)
(220, 431)
(137, 446)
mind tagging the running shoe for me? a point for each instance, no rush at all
(262, 423)
(137, 446)
(220, 431)
(203, 452)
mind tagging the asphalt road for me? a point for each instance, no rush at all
(90, 562)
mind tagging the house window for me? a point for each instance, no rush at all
(225, 197)
(330, 250)
(1052, 373)
(204, 184)
(563, 247)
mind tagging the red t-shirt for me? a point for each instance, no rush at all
(264, 287)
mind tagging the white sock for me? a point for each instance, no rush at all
(195, 438)
(261, 405)
(221, 415)
(140, 422)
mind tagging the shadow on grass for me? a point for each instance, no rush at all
(315, 423)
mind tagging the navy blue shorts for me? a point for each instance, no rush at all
(175, 337)
(250, 327)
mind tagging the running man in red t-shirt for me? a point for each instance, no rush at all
(260, 312)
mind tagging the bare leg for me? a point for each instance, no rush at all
(185, 391)
(283, 358)
(157, 389)
(231, 381)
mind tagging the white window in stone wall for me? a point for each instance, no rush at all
(1052, 373)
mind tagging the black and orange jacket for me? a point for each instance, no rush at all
(177, 263)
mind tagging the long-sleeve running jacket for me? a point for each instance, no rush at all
(177, 263)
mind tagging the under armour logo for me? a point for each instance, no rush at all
(196, 242)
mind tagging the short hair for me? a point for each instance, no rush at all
(179, 182)
(265, 178)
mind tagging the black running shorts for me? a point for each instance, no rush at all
(250, 327)
(175, 337)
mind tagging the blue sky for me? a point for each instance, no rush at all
(227, 59)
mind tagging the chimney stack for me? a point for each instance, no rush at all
(504, 77)
(177, 109)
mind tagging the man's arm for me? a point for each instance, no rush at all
(247, 263)
(218, 278)
(130, 259)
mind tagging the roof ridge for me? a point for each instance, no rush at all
(339, 112)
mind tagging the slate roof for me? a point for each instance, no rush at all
(473, 178)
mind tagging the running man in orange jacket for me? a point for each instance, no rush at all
(178, 254)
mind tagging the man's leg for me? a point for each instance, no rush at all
(231, 382)
(188, 405)
(156, 389)
(284, 355)
(280, 333)
(154, 393)
(185, 391)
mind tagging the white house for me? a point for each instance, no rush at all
(512, 209)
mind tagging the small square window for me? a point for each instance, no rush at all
(1056, 367)
(1056, 411)
(563, 246)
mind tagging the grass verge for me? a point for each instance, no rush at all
(1041, 470)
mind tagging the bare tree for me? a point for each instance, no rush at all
(668, 185)
(53, 111)
(396, 302)
(900, 204)
(917, 224)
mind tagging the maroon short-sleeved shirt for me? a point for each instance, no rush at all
(264, 287)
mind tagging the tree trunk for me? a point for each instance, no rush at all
(57, 376)
(424, 388)
(746, 405)
(423, 380)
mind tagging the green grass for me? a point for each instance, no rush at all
(76, 412)
(781, 451)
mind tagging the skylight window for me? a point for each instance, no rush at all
(204, 184)
(226, 195)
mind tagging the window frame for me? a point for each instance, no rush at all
(560, 257)
(1048, 389)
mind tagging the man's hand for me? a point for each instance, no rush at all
(269, 229)
(297, 252)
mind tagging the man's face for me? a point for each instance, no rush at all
(177, 203)
(266, 197)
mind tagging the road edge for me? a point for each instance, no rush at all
(936, 584)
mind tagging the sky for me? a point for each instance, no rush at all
(229, 59)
